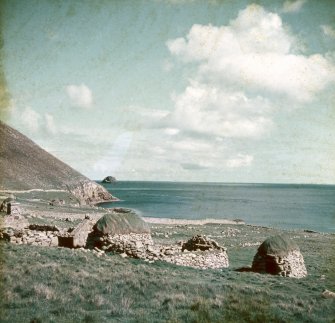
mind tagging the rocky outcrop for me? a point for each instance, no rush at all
(278, 255)
(109, 179)
(26, 166)
(88, 192)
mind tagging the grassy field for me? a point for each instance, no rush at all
(41, 284)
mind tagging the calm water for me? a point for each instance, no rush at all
(277, 205)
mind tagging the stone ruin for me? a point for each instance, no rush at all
(278, 255)
(201, 243)
(198, 252)
(36, 235)
(76, 237)
(125, 233)
(10, 206)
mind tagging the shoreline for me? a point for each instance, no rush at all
(189, 221)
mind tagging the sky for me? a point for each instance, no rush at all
(175, 90)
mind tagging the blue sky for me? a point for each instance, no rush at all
(227, 91)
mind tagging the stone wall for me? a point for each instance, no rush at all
(142, 246)
(30, 237)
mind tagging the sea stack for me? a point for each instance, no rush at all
(279, 255)
(109, 179)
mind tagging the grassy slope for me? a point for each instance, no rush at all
(63, 285)
(25, 165)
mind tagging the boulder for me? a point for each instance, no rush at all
(56, 202)
(279, 255)
(328, 294)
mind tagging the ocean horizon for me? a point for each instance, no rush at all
(284, 206)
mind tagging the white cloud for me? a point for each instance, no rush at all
(167, 66)
(254, 30)
(50, 123)
(212, 111)
(328, 30)
(255, 52)
(171, 131)
(190, 145)
(30, 119)
(293, 6)
(297, 77)
(113, 158)
(240, 160)
(242, 76)
(80, 95)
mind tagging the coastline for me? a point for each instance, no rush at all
(190, 222)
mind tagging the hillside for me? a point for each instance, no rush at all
(25, 166)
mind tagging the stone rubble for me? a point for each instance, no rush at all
(230, 232)
(249, 244)
(201, 243)
(207, 253)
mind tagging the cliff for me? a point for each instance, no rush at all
(26, 166)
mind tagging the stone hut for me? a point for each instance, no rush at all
(121, 222)
(279, 255)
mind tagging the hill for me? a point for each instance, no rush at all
(26, 166)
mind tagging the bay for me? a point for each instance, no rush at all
(286, 206)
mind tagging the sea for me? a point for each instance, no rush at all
(285, 206)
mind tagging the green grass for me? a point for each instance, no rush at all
(43, 284)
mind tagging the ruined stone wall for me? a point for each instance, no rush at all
(30, 237)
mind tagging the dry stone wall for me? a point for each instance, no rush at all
(142, 246)
(30, 237)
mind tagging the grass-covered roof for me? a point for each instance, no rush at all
(277, 245)
(121, 223)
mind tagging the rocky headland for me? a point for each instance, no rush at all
(24, 166)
